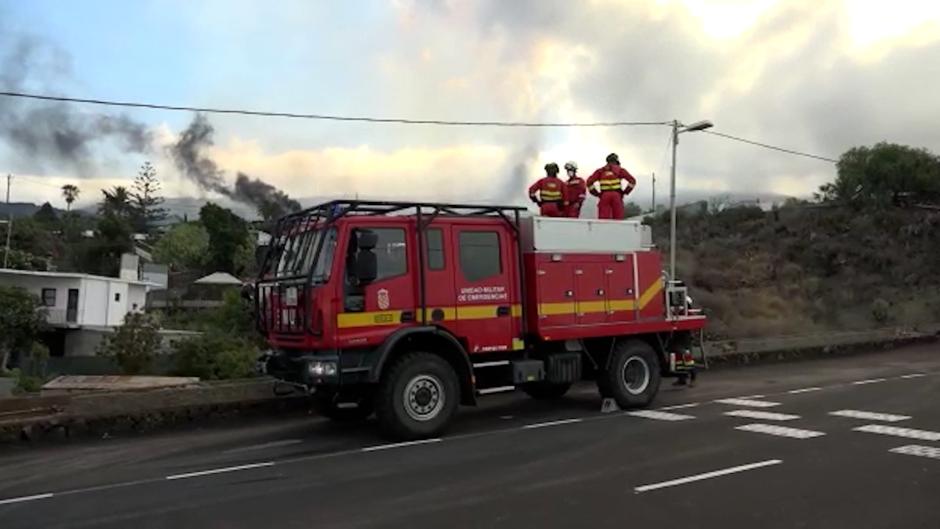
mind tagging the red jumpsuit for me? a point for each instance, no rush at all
(550, 191)
(575, 191)
(610, 203)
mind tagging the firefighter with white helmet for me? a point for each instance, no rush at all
(575, 191)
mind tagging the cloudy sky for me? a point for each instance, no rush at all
(816, 76)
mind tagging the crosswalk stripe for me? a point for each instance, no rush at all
(781, 431)
(660, 415)
(762, 415)
(748, 402)
(910, 433)
(917, 450)
(870, 416)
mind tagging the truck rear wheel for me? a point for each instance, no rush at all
(417, 397)
(546, 390)
(633, 376)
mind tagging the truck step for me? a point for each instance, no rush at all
(500, 389)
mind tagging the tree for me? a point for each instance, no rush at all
(21, 320)
(146, 199)
(883, 173)
(70, 192)
(184, 247)
(230, 246)
(117, 203)
(134, 344)
(632, 209)
(47, 216)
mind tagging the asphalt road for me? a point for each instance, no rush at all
(850, 442)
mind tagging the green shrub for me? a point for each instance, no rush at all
(880, 310)
(215, 356)
(134, 344)
(25, 383)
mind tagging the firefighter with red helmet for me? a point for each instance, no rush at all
(548, 192)
(575, 191)
(610, 193)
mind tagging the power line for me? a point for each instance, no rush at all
(771, 147)
(330, 117)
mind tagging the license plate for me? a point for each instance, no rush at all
(290, 297)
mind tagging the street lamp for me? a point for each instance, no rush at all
(678, 128)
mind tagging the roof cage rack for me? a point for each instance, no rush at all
(339, 208)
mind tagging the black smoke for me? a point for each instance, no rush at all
(190, 154)
(60, 134)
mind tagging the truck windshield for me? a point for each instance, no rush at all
(298, 251)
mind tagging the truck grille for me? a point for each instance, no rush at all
(282, 307)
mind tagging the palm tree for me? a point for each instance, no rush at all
(70, 192)
(117, 201)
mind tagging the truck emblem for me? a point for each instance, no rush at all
(382, 299)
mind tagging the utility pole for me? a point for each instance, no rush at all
(672, 203)
(653, 205)
(6, 253)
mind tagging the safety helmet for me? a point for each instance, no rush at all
(551, 168)
(613, 158)
(571, 166)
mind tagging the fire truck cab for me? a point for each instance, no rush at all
(408, 309)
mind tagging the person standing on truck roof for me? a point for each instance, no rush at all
(575, 191)
(548, 192)
(611, 193)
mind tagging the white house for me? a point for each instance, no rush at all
(80, 306)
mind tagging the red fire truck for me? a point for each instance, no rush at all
(408, 309)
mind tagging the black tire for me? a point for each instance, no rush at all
(433, 396)
(633, 374)
(546, 390)
(327, 406)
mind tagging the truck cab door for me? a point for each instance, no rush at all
(487, 304)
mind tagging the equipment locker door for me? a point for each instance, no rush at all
(485, 311)
(621, 290)
(590, 292)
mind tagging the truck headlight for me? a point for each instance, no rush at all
(319, 368)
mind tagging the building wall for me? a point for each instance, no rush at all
(35, 284)
(93, 301)
(117, 302)
(136, 297)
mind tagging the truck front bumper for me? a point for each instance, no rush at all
(316, 368)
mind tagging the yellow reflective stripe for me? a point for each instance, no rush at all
(517, 344)
(368, 319)
(476, 312)
(516, 311)
(621, 304)
(548, 195)
(585, 307)
(650, 293)
(450, 313)
(552, 309)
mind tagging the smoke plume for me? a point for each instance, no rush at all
(56, 133)
(190, 154)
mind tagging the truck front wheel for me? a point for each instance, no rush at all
(632, 377)
(417, 397)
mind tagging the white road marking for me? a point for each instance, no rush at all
(505, 417)
(22, 499)
(868, 381)
(551, 423)
(762, 415)
(917, 450)
(910, 433)
(660, 415)
(748, 402)
(219, 470)
(870, 416)
(751, 397)
(262, 446)
(804, 390)
(707, 475)
(679, 406)
(399, 445)
(782, 431)
(913, 375)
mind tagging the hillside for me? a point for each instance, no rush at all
(810, 268)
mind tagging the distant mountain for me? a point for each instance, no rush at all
(21, 209)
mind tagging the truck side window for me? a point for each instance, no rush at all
(390, 252)
(434, 248)
(480, 255)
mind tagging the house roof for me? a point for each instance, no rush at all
(71, 275)
(218, 278)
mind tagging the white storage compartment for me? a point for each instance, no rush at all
(552, 234)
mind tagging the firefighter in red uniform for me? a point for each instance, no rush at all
(611, 193)
(548, 193)
(575, 191)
